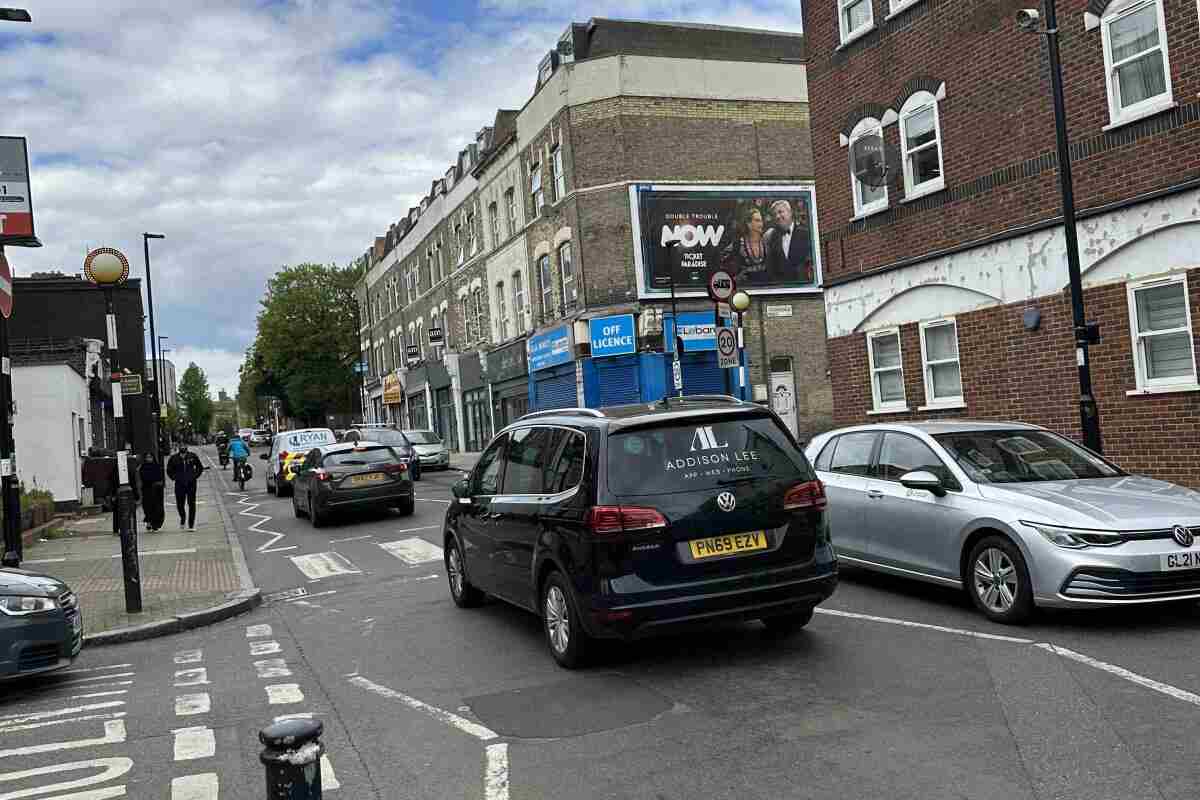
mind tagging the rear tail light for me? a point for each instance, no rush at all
(618, 519)
(807, 495)
(392, 468)
(321, 475)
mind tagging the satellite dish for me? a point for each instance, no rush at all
(872, 160)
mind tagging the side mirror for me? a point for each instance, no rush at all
(920, 479)
(265, 456)
(462, 489)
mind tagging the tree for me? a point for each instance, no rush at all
(307, 337)
(194, 396)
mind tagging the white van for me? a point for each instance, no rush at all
(291, 443)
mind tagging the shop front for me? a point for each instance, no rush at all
(615, 374)
(552, 370)
(416, 387)
(698, 362)
(393, 398)
(443, 404)
(477, 415)
(508, 373)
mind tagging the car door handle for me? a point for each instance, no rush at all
(874, 493)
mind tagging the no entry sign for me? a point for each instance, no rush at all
(721, 286)
(6, 287)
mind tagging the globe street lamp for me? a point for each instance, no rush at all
(108, 268)
(740, 302)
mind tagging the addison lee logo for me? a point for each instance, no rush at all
(705, 439)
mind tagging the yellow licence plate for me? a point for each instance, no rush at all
(374, 477)
(725, 545)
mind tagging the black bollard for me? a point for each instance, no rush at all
(292, 757)
(125, 521)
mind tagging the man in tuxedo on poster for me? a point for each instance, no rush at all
(789, 245)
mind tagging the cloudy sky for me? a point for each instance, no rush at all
(259, 134)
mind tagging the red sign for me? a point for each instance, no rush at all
(16, 209)
(6, 289)
(721, 286)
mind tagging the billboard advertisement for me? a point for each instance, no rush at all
(764, 236)
(16, 209)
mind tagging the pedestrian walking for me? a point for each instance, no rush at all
(185, 469)
(152, 479)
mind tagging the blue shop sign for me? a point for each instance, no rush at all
(551, 348)
(696, 328)
(613, 336)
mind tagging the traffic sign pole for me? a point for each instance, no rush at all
(9, 485)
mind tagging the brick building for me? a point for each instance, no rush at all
(554, 219)
(946, 288)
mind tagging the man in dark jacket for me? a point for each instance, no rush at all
(185, 469)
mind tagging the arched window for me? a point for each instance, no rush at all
(1136, 68)
(921, 145)
(867, 199)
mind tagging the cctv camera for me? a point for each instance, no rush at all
(1027, 19)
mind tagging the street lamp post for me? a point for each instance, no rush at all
(156, 406)
(108, 268)
(1085, 334)
(740, 302)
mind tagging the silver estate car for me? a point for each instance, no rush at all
(1021, 516)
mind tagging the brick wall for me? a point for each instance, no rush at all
(1011, 373)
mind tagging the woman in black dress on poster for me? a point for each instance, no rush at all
(746, 258)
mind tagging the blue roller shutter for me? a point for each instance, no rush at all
(701, 375)
(619, 382)
(555, 388)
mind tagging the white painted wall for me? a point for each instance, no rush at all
(49, 400)
(500, 267)
(1150, 239)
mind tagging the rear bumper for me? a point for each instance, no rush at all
(378, 498)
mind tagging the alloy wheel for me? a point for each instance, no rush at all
(558, 619)
(995, 579)
(454, 568)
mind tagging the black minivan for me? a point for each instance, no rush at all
(625, 521)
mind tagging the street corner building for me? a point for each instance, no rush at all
(535, 273)
(947, 285)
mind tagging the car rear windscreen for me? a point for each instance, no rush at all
(702, 455)
(359, 458)
(385, 437)
(422, 437)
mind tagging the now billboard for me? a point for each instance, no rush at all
(764, 236)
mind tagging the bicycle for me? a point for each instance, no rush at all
(239, 473)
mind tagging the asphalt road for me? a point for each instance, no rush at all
(895, 690)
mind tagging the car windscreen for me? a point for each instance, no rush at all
(701, 455)
(385, 437)
(1023, 456)
(359, 458)
(422, 437)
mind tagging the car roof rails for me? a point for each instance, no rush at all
(703, 398)
(565, 412)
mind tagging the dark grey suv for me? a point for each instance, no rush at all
(41, 627)
(626, 521)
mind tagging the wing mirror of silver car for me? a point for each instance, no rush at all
(920, 479)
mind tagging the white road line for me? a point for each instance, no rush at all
(281, 549)
(204, 786)
(193, 743)
(413, 551)
(283, 693)
(93, 669)
(298, 715)
(35, 725)
(324, 565)
(465, 725)
(110, 769)
(268, 546)
(925, 626)
(191, 677)
(255, 631)
(272, 668)
(189, 657)
(495, 777)
(328, 776)
(180, 552)
(429, 500)
(307, 596)
(188, 704)
(114, 733)
(113, 693)
(352, 539)
(74, 681)
(1121, 672)
(43, 560)
(264, 648)
(92, 685)
(422, 528)
(15, 719)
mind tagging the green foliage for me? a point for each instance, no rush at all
(194, 396)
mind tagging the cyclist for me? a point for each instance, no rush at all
(239, 452)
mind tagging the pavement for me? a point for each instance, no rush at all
(181, 571)
(895, 689)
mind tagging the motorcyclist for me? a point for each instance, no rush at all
(239, 452)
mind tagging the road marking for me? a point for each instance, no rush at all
(180, 552)
(93, 669)
(923, 625)
(42, 560)
(266, 547)
(35, 725)
(75, 681)
(413, 551)
(255, 631)
(307, 596)
(465, 725)
(495, 777)
(195, 787)
(283, 693)
(114, 733)
(352, 539)
(94, 685)
(422, 528)
(1121, 672)
(111, 769)
(429, 500)
(286, 594)
(272, 668)
(193, 743)
(98, 694)
(191, 677)
(328, 776)
(324, 565)
(264, 648)
(297, 715)
(188, 704)
(189, 657)
(14, 719)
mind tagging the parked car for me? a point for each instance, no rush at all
(626, 521)
(391, 437)
(431, 450)
(284, 448)
(41, 626)
(1019, 516)
(260, 436)
(341, 477)
(245, 434)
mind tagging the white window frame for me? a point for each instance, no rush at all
(502, 311)
(849, 36)
(567, 286)
(535, 188)
(464, 311)
(510, 202)
(477, 300)
(1151, 105)
(560, 177)
(546, 286)
(865, 127)
(918, 102)
(494, 210)
(896, 6)
(877, 402)
(520, 307)
(471, 237)
(1146, 384)
(927, 367)
(421, 340)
